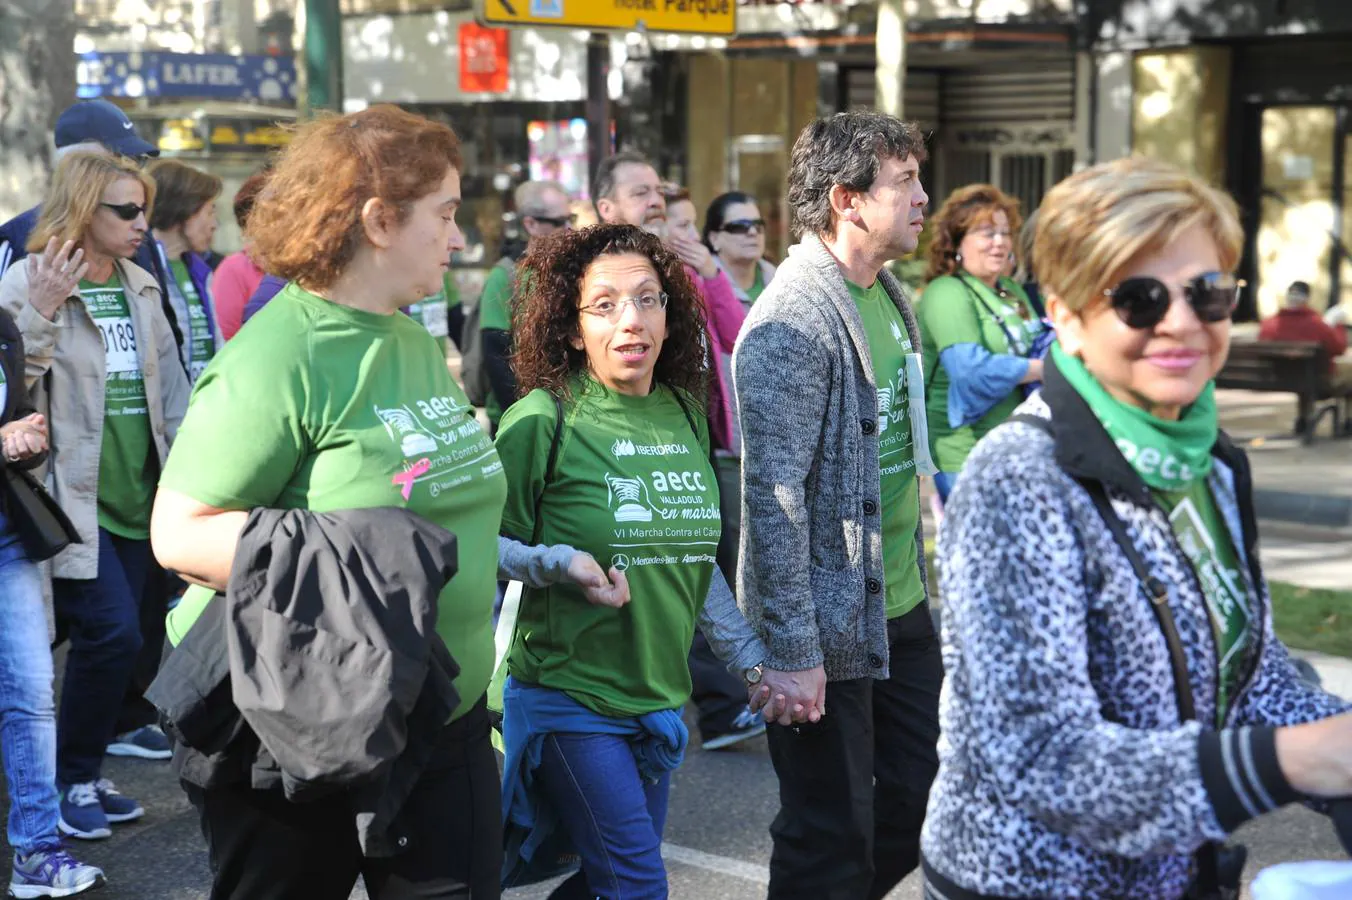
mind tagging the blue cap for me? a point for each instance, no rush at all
(101, 121)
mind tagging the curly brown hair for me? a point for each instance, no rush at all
(545, 311)
(306, 222)
(965, 209)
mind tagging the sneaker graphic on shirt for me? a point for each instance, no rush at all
(628, 496)
(402, 426)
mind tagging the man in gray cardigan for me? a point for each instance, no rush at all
(832, 576)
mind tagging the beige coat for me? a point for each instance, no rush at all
(71, 348)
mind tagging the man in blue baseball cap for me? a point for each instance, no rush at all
(90, 126)
(100, 122)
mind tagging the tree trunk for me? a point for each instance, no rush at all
(37, 81)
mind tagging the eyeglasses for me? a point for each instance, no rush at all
(556, 221)
(127, 212)
(990, 234)
(1144, 302)
(744, 226)
(610, 309)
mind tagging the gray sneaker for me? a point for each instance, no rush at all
(54, 873)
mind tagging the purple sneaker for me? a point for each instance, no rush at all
(54, 873)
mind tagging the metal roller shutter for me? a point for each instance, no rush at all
(921, 97)
(1031, 92)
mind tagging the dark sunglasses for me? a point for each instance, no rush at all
(127, 212)
(558, 222)
(744, 226)
(1144, 302)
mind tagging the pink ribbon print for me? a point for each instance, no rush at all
(406, 478)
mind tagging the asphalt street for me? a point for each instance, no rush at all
(718, 844)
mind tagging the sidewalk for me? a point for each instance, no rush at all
(1309, 485)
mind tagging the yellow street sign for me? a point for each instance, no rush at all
(717, 17)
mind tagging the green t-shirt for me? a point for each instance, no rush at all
(632, 486)
(757, 284)
(323, 407)
(495, 314)
(1206, 541)
(951, 313)
(126, 455)
(203, 344)
(888, 345)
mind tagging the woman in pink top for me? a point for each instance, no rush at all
(237, 277)
(723, 310)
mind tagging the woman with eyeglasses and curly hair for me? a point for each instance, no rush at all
(104, 368)
(980, 336)
(1116, 700)
(608, 452)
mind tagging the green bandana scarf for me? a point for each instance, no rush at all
(1169, 456)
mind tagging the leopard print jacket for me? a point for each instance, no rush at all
(1065, 768)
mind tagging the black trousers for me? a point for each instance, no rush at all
(137, 711)
(853, 787)
(263, 847)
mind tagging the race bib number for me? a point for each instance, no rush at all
(433, 315)
(119, 344)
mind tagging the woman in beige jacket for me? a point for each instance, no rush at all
(103, 367)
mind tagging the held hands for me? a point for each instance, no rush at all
(24, 438)
(790, 697)
(53, 276)
(694, 254)
(601, 589)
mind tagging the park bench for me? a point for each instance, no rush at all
(1290, 367)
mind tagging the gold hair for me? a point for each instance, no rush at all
(75, 194)
(1095, 224)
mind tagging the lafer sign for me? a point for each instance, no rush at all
(714, 17)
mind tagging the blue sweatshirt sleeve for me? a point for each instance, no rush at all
(977, 380)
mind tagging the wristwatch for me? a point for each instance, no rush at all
(754, 674)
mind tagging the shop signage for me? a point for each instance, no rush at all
(715, 17)
(196, 75)
(484, 58)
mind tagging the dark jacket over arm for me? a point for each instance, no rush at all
(327, 639)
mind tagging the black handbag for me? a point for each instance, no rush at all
(43, 527)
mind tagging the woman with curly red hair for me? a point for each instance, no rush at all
(336, 401)
(608, 452)
(981, 337)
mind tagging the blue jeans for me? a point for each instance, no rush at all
(27, 713)
(102, 615)
(614, 819)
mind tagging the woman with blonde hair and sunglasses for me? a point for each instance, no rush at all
(102, 361)
(1117, 702)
